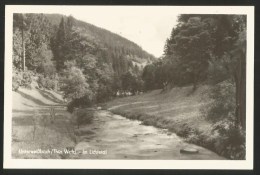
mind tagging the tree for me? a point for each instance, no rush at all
(105, 76)
(148, 76)
(31, 40)
(58, 45)
(234, 60)
(74, 84)
(129, 82)
(193, 46)
(17, 49)
(230, 51)
(204, 45)
(19, 23)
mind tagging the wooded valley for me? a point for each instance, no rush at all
(90, 66)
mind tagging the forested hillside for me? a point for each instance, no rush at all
(88, 64)
(117, 46)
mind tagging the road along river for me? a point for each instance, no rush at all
(112, 136)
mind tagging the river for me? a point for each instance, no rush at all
(115, 137)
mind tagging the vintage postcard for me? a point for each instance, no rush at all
(129, 87)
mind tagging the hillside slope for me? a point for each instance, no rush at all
(32, 125)
(25, 99)
(177, 107)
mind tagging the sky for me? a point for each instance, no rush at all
(147, 27)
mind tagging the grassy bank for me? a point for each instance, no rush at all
(34, 128)
(178, 110)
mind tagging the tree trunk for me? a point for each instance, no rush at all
(242, 97)
(240, 84)
(237, 110)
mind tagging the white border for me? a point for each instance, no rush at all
(130, 164)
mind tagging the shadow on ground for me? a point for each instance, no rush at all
(49, 96)
(29, 97)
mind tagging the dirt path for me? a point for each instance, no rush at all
(119, 138)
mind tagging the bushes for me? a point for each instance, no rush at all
(223, 95)
(79, 103)
(26, 79)
(21, 79)
(230, 141)
(229, 138)
(16, 80)
(46, 82)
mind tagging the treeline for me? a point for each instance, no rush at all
(203, 49)
(88, 64)
(209, 49)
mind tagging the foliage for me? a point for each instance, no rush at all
(37, 48)
(148, 77)
(230, 140)
(47, 82)
(16, 79)
(82, 102)
(21, 79)
(87, 61)
(216, 72)
(47, 68)
(224, 104)
(26, 79)
(74, 84)
(209, 49)
(17, 49)
(191, 43)
(205, 49)
(105, 89)
(131, 83)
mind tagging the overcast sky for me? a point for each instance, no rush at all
(148, 27)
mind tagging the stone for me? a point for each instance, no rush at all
(189, 151)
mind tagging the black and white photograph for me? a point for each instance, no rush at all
(121, 86)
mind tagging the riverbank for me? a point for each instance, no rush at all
(35, 135)
(116, 137)
(178, 110)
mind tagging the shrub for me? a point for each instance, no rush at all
(16, 80)
(216, 71)
(79, 103)
(21, 79)
(223, 106)
(27, 79)
(46, 82)
(184, 131)
(231, 139)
